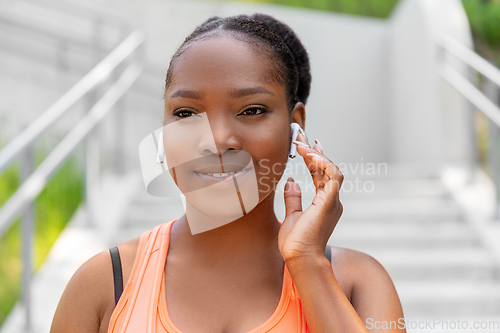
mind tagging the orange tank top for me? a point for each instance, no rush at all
(143, 306)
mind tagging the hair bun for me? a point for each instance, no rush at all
(298, 51)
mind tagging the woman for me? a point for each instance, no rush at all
(249, 76)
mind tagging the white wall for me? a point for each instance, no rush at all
(425, 132)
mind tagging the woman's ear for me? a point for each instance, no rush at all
(298, 114)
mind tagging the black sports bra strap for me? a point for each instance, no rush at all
(117, 272)
(328, 252)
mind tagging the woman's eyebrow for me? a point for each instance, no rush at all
(187, 94)
(250, 91)
(234, 93)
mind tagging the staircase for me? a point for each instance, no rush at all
(47, 46)
(145, 212)
(414, 228)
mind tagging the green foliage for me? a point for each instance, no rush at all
(10, 249)
(482, 139)
(53, 210)
(484, 19)
(372, 8)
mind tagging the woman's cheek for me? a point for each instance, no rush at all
(270, 168)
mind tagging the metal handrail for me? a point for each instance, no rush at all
(469, 91)
(469, 57)
(30, 188)
(85, 8)
(45, 32)
(491, 109)
(99, 17)
(79, 9)
(98, 74)
(34, 181)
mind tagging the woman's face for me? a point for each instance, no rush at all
(224, 112)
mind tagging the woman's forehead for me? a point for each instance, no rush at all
(225, 62)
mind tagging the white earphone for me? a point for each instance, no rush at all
(160, 157)
(296, 129)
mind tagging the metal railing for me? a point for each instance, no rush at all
(94, 39)
(93, 12)
(488, 102)
(118, 70)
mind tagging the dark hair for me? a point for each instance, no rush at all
(276, 38)
(300, 55)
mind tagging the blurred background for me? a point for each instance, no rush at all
(405, 100)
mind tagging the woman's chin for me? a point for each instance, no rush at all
(227, 208)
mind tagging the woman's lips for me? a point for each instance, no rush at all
(222, 181)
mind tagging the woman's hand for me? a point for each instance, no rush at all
(306, 233)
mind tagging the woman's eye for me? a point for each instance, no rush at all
(253, 111)
(183, 113)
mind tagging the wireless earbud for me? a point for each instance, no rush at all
(295, 132)
(160, 157)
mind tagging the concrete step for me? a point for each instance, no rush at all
(150, 214)
(380, 209)
(143, 197)
(447, 264)
(472, 264)
(403, 235)
(449, 298)
(393, 187)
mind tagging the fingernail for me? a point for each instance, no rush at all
(313, 154)
(298, 143)
(290, 179)
(319, 144)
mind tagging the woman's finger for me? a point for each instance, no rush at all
(319, 149)
(318, 176)
(330, 169)
(332, 179)
(318, 146)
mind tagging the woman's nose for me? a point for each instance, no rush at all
(220, 137)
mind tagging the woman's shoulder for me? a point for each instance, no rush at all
(348, 258)
(128, 253)
(371, 290)
(357, 271)
(89, 295)
(98, 269)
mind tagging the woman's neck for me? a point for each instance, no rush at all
(253, 235)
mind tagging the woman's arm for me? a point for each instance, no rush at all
(302, 240)
(86, 298)
(325, 306)
(374, 305)
(372, 291)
